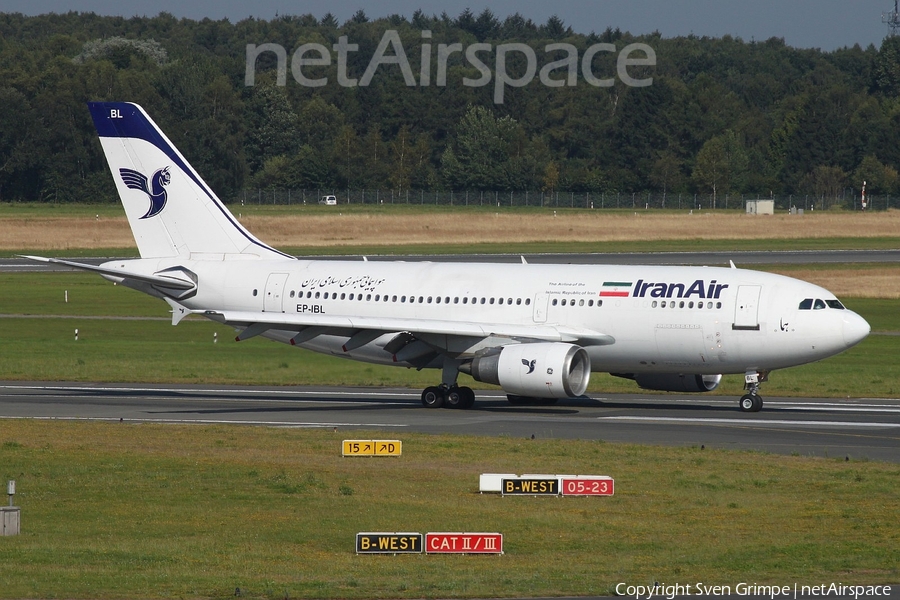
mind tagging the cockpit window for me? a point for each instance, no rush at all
(806, 304)
(834, 304)
(819, 305)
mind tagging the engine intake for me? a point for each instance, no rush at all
(544, 370)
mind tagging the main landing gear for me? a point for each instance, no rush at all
(448, 394)
(752, 401)
(454, 396)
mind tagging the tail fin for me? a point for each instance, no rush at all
(171, 210)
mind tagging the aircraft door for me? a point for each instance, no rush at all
(540, 307)
(272, 302)
(746, 308)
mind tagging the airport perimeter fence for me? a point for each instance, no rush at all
(847, 200)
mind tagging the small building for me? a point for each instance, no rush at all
(760, 207)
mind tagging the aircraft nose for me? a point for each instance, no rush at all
(855, 328)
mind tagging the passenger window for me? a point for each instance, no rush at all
(368, 297)
(518, 301)
(581, 303)
(819, 305)
(663, 304)
(438, 299)
(465, 300)
(492, 300)
(499, 300)
(590, 302)
(343, 296)
(554, 300)
(527, 301)
(653, 305)
(254, 292)
(806, 304)
(509, 300)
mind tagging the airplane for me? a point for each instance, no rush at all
(537, 331)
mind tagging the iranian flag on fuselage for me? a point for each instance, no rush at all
(621, 289)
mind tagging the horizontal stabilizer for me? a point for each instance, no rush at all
(160, 280)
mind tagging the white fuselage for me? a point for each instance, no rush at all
(664, 319)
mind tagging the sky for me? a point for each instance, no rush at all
(825, 24)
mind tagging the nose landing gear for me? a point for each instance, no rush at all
(752, 401)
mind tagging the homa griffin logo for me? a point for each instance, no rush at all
(643, 289)
(156, 191)
(529, 364)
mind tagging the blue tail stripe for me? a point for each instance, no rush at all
(132, 124)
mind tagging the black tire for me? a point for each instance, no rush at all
(454, 398)
(751, 403)
(520, 400)
(468, 397)
(433, 397)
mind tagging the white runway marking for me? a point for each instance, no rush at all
(294, 424)
(739, 422)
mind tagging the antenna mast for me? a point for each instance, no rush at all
(892, 19)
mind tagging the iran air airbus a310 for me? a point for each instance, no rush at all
(537, 331)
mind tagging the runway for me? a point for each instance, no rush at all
(740, 258)
(855, 429)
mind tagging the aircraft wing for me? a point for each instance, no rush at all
(121, 274)
(256, 323)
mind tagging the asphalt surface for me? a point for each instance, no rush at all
(852, 429)
(741, 259)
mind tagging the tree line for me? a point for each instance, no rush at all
(722, 115)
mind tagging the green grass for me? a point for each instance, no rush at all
(37, 211)
(146, 351)
(146, 511)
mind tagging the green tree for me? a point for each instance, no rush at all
(721, 165)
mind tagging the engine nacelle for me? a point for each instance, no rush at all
(547, 370)
(676, 382)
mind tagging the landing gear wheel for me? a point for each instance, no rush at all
(529, 400)
(468, 397)
(433, 397)
(453, 398)
(519, 400)
(751, 403)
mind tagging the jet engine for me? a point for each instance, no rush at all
(674, 382)
(539, 370)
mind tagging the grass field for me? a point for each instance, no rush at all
(102, 229)
(114, 510)
(147, 511)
